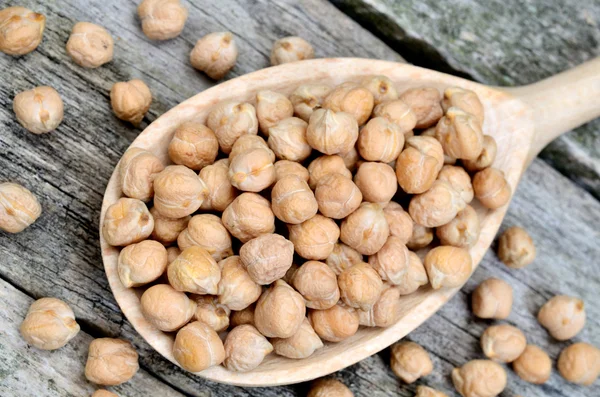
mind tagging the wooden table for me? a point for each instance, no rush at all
(69, 168)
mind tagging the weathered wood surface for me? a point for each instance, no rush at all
(499, 42)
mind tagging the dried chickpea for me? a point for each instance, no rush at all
(284, 168)
(272, 107)
(245, 316)
(231, 120)
(206, 231)
(165, 308)
(448, 266)
(329, 387)
(331, 132)
(351, 98)
(337, 196)
(419, 164)
(39, 110)
(21, 30)
(425, 102)
(533, 365)
(291, 49)
(215, 54)
(193, 145)
(279, 311)
(360, 286)
(130, 100)
(381, 87)
(516, 248)
(198, 347)
(317, 284)
(323, 165)
(287, 138)
(385, 311)
(399, 221)
(267, 257)
(137, 170)
(492, 298)
(398, 112)
(491, 188)
(126, 222)
(220, 191)
(391, 261)
(111, 362)
(307, 98)
(249, 216)
(479, 378)
(376, 181)
(380, 140)
(237, 290)
(315, 237)
(172, 254)
(19, 208)
(424, 391)
(292, 201)
(460, 134)
(437, 206)
(178, 191)
(334, 324)
(103, 393)
(49, 324)
(141, 263)
(90, 45)
(463, 99)
(166, 230)
(162, 19)
(410, 361)
(460, 181)
(195, 271)
(366, 229)
(245, 349)
(580, 363)
(211, 312)
(415, 276)
(248, 142)
(252, 171)
(503, 343)
(300, 345)
(462, 231)
(486, 157)
(563, 316)
(421, 237)
(343, 257)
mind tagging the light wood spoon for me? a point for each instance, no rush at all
(522, 120)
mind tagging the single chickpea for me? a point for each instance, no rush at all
(252, 171)
(331, 132)
(193, 145)
(49, 324)
(267, 258)
(329, 387)
(491, 188)
(421, 237)
(437, 206)
(287, 138)
(245, 349)
(351, 98)
(425, 102)
(279, 311)
(178, 191)
(424, 391)
(195, 271)
(272, 107)
(466, 100)
(166, 230)
(126, 222)
(249, 216)
(563, 316)
(317, 284)
(380, 140)
(324, 165)
(165, 308)
(220, 191)
(486, 157)
(291, 49)
(211, 312)
(245, 316)
(516, 248)
(231, 120)
(448, 266)
(130, 100)
(39, 110)
(460, 181)
(21, 30)
(90, 45)
(111, 362)
(462, 231)
(292, 201)
(391, 261)
(307, 98)
(19, 208)
(479, 378)
(419, 164)
(376, 181)
(415, 277)
(503, 343)
(137, 170)
(237, 290)
(206, 231)
(381, 87)
(492, 298)
(337, 196)
(198, 347)
(247, 143)
(410, 361)
(162, 19)
(350, 158)
(300, 345)
(399, 221)
(141, 263)
(104, 393)
(314, 238)
(284, 168)
(580, 363)
(385, 311)
(360, 286)
(215, 54)
(172, 254)
(460, 134)
(398, 112)
(334, 324)
(342, 257)
(533, 365)
(366, 229)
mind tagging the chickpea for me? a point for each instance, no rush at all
(334, 324)
(172, 254)
(307, 98)
(300, 345)
(380, 140)
(162, 19)
(279, 311)
(391, 261)
(137, 170)
(350, 159)
(206, 231)
(49, 324)
(323, 165)
(90, 45)
(329, 387)
(421, 237)
(292, 201)
(252, 171)
(419, 164)
(342, 257)
(287, 138)
(317, 284)
(215, 54)
(337, 196)
(193, 145)
(21, 30)
(111, 362)
(425, 104)
(399, 221)
(220, 191)
(141, 263)
(448, 266)
(267, 257)
(211, 312)
(533, 365)
(492, 298)
(351, 98)
(398, 112)
(381, 87)
(516, 248)
(291, 49)
(410, 361)
(460, 134)
(247, 143)
(166, 230)
(39, 110)
(126, 222)
(231, 120)
(165, 308)
(249, 216)
(103, 393)
(479, 378)
(360, 286)
(465, 100)
(503, 343)
(237, 290)
(437, 206)
(460, 181)
(491, 188)
(314, 238)
(272, 107)
(424, 391)
(463, 231)
(415, 277)
(130, 100)
(580, 363)
(331, 132)
(178, 191)
(19, 208)
(198, 347)
(194, 271)
(284, 168)
(245, 349)
(366, 229)
(563, 316)
(376, 181)
(245, 316)
(385, 311)
(486, 157)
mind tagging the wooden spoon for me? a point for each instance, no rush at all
(522, 120)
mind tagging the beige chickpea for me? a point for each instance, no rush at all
(247, 143)
(424, 391)
(195, 271)
(425, 102)
(287, 138)
(130, 100)
(284, 168)
(308, 97)
(419, 164)
(399, 221)
(351, 98)
(421, 237)
(267, 257)
(211, 312)
(491, 188)
(391, 261)
(272, 107)
(19, 208)
(252, 171)
(178, 191)
(334, 324)
(291, 49)
(460, 134)
(90, 45)
(126, 222)
(162, 19)
(249, 216)
(165, 308)
(292, 201)
(466, 100)
(366, 229)
(21, 30)
(104, 393)
(39, 110)
(137, 170)
(198, 347)
(141, 263)
(206, 231)
(231, 120)
(437, 206)
(337, 196)
(245, 316)
(462, 231)
(410, 361)
(329, 387)
(385, 311)
(460, 181)
(317, 284)
(279, 311)
(580, 363)
(166, 230)
(381, 87)
(215, 54)
(172, 254)
(245, 349)
(563, 316)
(398, 112)
(193, 145)
(314, 238)
(237, 290)
(360, 286)
(49, 324)
(300, 345)
(380, 140)
(503, 343)
(342, 257)
(479, 378)
(376, 181)
(485, 158)
(415, 276)
(492, 298)
(331, 132)
(516, 248)
(533, 365)
(448, 266)
(111, 362)
(324, 165)
(220, 191)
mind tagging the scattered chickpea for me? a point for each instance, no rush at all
(249, 216)
(314, 238)
(391, 261)
(376, 181)
(162, 19)
(178, 191)
(272, 107)
(267, 257)
(211, 312)
(360, 286)
(448, 266)
(399, 221)
(533, 365)
(425, 104)
(287, 138)
(381, 87)
(410, 361)
(317, 284)
(563, 316)
(231, 120)
(492, 298)
(137, 170)
(421, 237)
(206, 231)
(463, 99)
(437, 206)
(479, 378)
(220, 191)
(49, 324)
(194, 271)
(424, 391)
(165, 308)
(516, 248)
(284, 168)
(351, 98)
(460, 134)
(366, 229)
(141, 263)
(486, 157)
(252, 171)
(237, 290)
(193, 145)
(331, 132)
(111, 362)
(21, 30)
(398, 112)
(172, 254)
(323, 165)
(166, 230)
(337, 196)
(39, 110)
(329, 387)
(244, 316)
(292, 201)
(291, 49)
(247, 143)
(127, 221)
(307, 98)
(491, 188)
(415, 277)
(90, 45)
(198, 347)
(419, 164)
(380, 140)
(580, 363)
(503, 343)
(19, 208)
(385, 311)
(104, 393)
(279, 311)
(215, 54)
(245, 349)
(462, 231)
(343, 257)
(334, 324)
(300, 345)
(130, 100)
